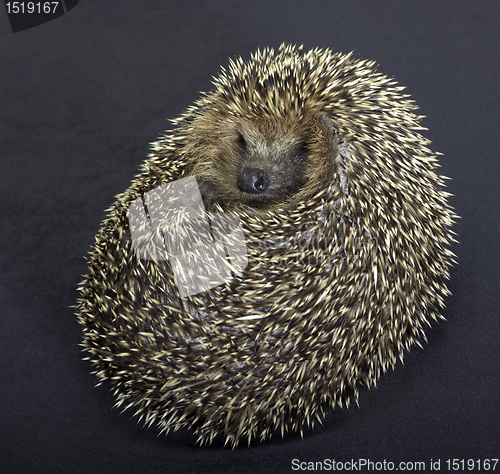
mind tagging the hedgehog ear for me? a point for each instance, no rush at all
(303, 148)
(331, 134)
(327, 121)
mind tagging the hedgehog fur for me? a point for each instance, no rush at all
(348, 252)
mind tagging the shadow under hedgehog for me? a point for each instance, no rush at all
(347, 232)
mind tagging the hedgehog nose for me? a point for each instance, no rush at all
(253, 180)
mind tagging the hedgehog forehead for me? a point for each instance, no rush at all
(276, 145)
(262, 136)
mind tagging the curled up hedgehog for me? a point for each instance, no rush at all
(284, 244)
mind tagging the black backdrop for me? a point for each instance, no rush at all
(80, 99)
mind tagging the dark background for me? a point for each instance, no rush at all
(82, 96)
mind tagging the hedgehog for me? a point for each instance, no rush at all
(347, 232)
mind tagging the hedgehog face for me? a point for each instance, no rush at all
(258, 162)
(269, 163)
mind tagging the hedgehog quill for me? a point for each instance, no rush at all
(347, 229)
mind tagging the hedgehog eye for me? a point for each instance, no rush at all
(240, 140)
(302, 148)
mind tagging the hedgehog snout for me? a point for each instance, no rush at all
(253, 180)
